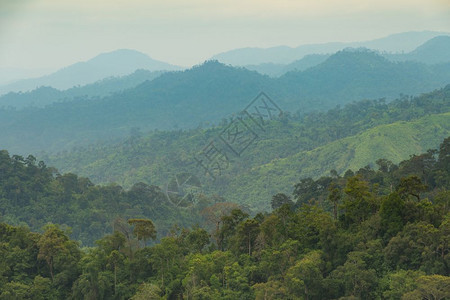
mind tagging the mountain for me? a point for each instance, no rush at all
(9, 75)
(46, 95)
(174, 100)
(356, 74)
(290, 148)
(210, 93)
(275, 70)
(434, 51)
(394, 142)
(115, 63)
(401, 42)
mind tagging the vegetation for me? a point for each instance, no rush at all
(33, 194)
(372, 234)
(291, 147)
(208, 93)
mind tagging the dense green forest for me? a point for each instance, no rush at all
(208, 93)
(33, 194)
(370, 234)
(291, 147)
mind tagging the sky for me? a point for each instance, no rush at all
(49, 34)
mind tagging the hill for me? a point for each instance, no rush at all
(401, 42)
(434, 51)
(210, 93)
(356, 74)
(275, 70)
(372, 234)
(46, 95)
(394, 142)
(115, 63)
(290, 148)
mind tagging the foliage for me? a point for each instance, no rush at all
(292, 147)
(208, 93)
(391, 241)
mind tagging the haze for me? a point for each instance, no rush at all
(48, 34)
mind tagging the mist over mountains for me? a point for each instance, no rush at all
(395, 43)
(210, 92)
(317, 168)
(46, 95)
(116, 63)
(433, 51)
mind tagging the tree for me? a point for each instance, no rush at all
(147, 291)
(197, 239)
(334, 197)
(144, 229)
(355, 278)
(416, 246)
(433, 287)
(392, 214)
(247, 231)
(385, 165)
(229, 224)
(399, 283)
(305, 278)
(272, 289)
(53, 243)
(279, 200)
(411, 186)
(359, 202)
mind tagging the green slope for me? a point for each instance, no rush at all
(395, 142)
(289, 149)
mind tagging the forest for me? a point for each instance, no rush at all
(372, 233)
(236, 150)
(291, 147)
(201, 95)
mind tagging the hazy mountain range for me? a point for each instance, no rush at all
(211, 92)
(433, 51)
(45, 95)
(275, 61)
(115, 63)
(395, 43)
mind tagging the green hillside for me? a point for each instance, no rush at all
(395, 142)
(372, 235)
(292, 147)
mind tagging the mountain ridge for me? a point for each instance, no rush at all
(406, 41)
(210, 93)
(115, 63)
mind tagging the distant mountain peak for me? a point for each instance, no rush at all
(115, 63)
(121, 53)
(439, 41)
(353, 56)
(394, 43)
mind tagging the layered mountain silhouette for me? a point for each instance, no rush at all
(116, 63)
(45, 95)
(433, 51)
(396, 43)
(212, 91)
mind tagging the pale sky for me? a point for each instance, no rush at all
(56, 33)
